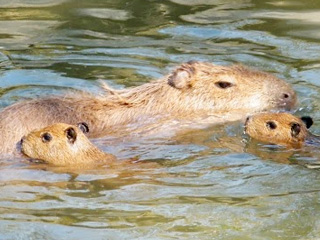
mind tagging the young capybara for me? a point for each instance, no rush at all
(64, 145)
(281, 128)
(192, 92)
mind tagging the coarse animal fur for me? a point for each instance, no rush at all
(62, 144)
(280, 128)
(192, 92)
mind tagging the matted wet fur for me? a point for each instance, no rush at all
(62, 144)
(280, 128)
(192, 92)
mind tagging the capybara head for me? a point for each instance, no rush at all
(278, 128)
(59, 144)
(231, 88)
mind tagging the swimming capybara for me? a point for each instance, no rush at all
(280, 128)
(192, 92)
(62, 144)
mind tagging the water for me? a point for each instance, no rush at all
(210, 184)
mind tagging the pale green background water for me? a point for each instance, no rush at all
(211, 184)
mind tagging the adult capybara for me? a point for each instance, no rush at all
(192, 92)
(281, 128)
(62, 144)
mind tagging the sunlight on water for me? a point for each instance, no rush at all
(209, 183)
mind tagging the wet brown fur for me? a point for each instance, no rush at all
(257, 127)
(191, 92)
(60, 150)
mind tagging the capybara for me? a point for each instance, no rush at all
(62, 144)
(281, 128)
(192, 92)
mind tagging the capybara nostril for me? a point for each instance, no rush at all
(285, 95)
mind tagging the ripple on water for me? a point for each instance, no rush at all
(29, 3)
(209, 183)
(105, 13)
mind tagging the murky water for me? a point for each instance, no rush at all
(210, 184)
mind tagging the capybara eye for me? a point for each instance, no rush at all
(295, 129)
(223, 84)
(271, 125)
(46, 137)
(71, 134)
(83, 127)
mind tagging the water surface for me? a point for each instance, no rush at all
(210, 183)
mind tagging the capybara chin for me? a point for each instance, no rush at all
(280, 128)
(64, 145)
(193, 91)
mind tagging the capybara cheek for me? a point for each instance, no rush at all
(24, 149)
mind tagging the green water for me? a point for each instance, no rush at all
(211, 183)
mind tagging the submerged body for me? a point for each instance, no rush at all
(62, 144)
(194, 91)
(282, 129)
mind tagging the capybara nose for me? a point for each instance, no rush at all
(288, 100)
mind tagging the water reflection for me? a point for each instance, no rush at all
(29, 3)
(113, 14)
(20, 34)
(222, 3)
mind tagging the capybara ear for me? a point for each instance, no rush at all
(71, 134)
(183, 76)
(307, 120)
(83, 126)
(295, 129)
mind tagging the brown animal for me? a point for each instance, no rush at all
(62, 144)
(280, 128)
(193, 92)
